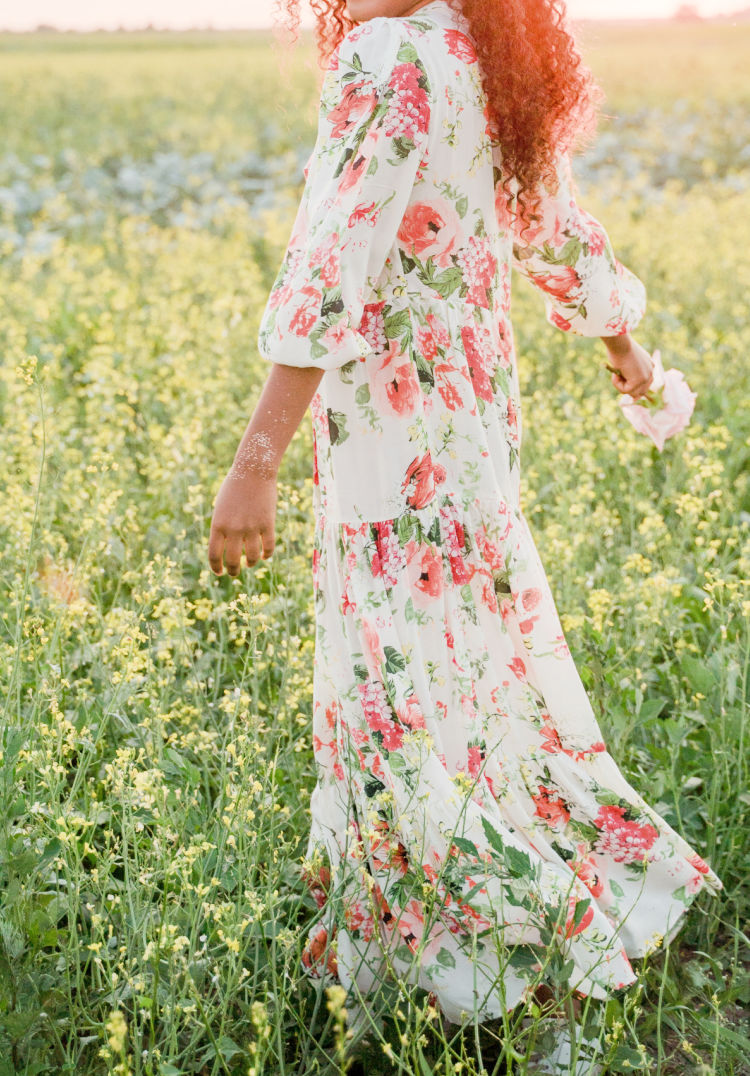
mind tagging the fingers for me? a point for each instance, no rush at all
(633, 388)
(252, 549)
(269, 541)
(233, 554)
(227, 550)
(216, 551)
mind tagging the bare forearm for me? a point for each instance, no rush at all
(618, 345)
(283, 402)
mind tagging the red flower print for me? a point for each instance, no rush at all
(531, 597)
(314, 950)
(474, 761)
(502, 213)
(461, 46)
(525, 626)
(422, 474)
(426, 344)
(307, 312)
(596, 240)
(551, 807)
(389, 557)
(512, 415)
(588, 871)
(480, 360)
(430, 230)
(394, 383)
(411, 713)
(375, 704)
(559, 321)
(624, 841)
(479, 266)
(551, 741)
(409, 108)
(363, 214)
(562, 283)
(438, 330)
(425, 573)
(518, 668)
(373, 650)
(700, 864)
(372, 326)
(352, 107)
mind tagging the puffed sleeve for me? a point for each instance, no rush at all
(568, 255)
(372, 136)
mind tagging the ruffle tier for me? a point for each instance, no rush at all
(470, 833)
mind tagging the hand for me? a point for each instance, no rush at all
(631, 366)
(244, 515)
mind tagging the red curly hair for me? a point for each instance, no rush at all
(541, 98)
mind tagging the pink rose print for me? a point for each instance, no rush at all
(394, 384)
(425, 567)
(430, 230)
(352, 107)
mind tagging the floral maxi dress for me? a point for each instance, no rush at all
(469, 829)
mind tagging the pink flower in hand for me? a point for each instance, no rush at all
(665, 410)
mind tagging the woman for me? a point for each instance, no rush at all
(470, 832)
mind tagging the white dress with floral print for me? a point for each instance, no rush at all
(470, 830)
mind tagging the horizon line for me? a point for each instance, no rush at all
(45, 27)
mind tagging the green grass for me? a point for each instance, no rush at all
(156, 752)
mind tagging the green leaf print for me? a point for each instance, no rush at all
(449, 281)
(337, 427)
(570, 253)
(360, 671)
(446, 958)
(394, 661)
(408, 54)
(372, 786)
(362, 395)
(403, 146)
(397, 324)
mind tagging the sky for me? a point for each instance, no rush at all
(181, 14)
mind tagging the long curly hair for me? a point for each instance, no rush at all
(541, 98)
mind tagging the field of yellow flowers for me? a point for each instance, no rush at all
(156, 751)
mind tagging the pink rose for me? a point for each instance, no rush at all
(430, 230)
(394, 383)
(669, 409)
